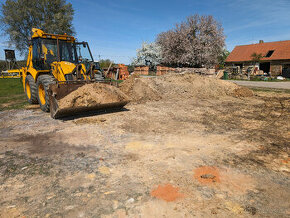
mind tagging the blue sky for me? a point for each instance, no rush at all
(116, 28)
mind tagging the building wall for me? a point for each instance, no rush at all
(276, 67)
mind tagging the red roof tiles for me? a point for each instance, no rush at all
(243, 52)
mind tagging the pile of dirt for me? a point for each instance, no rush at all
(243, 92)
(141, 89)
(185, 85)
(93, 94)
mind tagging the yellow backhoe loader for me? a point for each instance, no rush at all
(56, 66)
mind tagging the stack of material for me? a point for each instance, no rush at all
(141, 70)
(161, 70)
(119, 72)
(201, 71)
(123, 72)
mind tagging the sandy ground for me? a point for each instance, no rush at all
(190, 157)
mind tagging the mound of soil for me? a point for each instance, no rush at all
(243, 92)
(93, 94)
(186, 85)
(140, 89)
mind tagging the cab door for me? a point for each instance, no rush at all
(36, 54)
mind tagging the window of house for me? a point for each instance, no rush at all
(269, 54)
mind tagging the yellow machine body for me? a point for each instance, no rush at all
(14, 73)
(58, 68)
(56, 65)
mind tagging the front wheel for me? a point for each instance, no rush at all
(43, 83)
(30, 90)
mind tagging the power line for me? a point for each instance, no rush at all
(116, 56)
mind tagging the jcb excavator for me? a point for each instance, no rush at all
(56, 66)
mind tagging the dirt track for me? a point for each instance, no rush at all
(261, 84)
(226, 157)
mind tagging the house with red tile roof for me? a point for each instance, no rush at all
(274, 57)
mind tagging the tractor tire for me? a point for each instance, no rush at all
(31, 90)
(43, 83)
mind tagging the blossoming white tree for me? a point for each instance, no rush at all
(196, 42)
(148, 54)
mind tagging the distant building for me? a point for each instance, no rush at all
(275, 57)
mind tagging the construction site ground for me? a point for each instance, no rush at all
(181, 157)
(262, 84)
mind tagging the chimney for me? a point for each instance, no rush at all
(261, 41)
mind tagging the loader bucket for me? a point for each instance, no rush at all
(67, 99)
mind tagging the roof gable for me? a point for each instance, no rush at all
(243, 52)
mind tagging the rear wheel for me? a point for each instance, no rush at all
(43, 83)
(30, 90)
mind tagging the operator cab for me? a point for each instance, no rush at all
(84, 54)
(46, 51)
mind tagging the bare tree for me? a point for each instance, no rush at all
(196, 42)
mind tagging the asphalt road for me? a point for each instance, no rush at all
(273, 85)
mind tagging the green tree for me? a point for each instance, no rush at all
(222, 58)
(256, 57)
(20, 16)
(105, 63)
